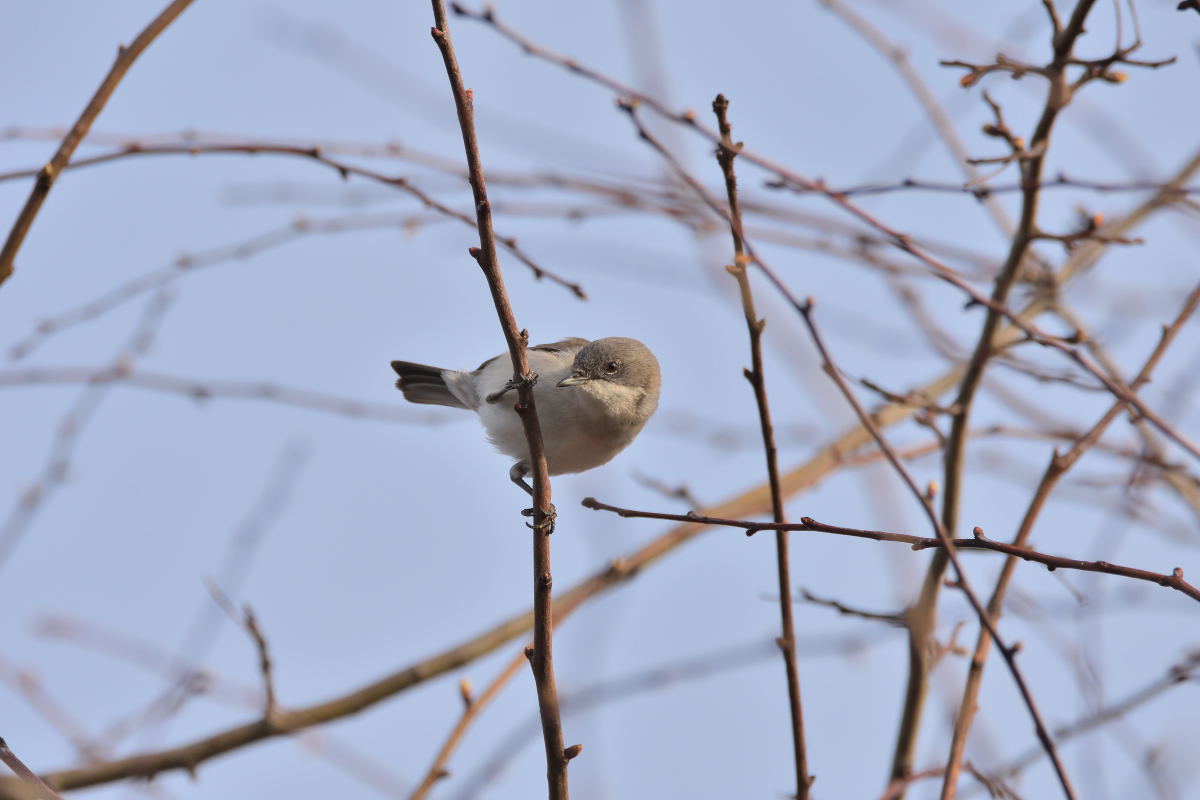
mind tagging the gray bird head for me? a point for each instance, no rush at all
(619, 372)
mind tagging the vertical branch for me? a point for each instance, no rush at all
(923, 615)
(1059, 464)
(726, 153)
(47, 174)
(541, 654)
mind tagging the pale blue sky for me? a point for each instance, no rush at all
(400, 539)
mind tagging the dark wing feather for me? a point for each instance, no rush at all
(424, 384)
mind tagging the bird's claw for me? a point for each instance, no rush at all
(547, 524)
(528, 380)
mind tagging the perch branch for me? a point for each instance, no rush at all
(542, 658)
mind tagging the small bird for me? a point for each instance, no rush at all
(592, 400)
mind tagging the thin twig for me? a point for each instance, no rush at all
(845, 610)
(47, 175)
(1173, 580)
(246, 621)
(787, 641)
(473, 705)
(541, 659)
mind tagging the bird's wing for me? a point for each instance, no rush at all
(572, 344)
(542, 356)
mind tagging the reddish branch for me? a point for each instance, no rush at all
(473, 705)
(787, 642)
(47, 175)
(981, 542)
(541, 657)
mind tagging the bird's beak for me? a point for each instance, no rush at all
(574, 380)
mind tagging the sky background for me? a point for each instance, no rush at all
(364, 545)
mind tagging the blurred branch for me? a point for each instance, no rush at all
(1180, 673)
(680, 492)
(161, 662)
(1184, 484)
(202, 390)
(47, 174)
(787, 641)
(50, 709)
(844, 610)
(929, 104)
(187, 263)
(70, 429)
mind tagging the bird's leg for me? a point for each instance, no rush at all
(527, 380)
(517, 475)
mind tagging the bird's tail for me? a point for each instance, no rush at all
(422, 384)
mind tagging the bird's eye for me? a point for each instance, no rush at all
(612, 366)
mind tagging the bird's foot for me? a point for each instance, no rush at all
(529, 380)
(547, 524)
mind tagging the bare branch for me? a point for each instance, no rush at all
(787, 641)
(1173, 580)
(542, 659)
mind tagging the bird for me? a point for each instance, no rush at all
(592, 398)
